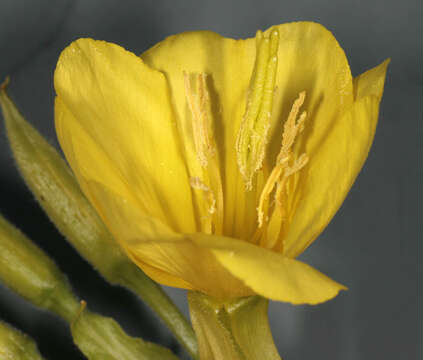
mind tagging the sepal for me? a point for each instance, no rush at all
(235, 329)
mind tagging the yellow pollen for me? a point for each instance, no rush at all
(285, 166)
(252, 136)
(210, 204)
(199, 105)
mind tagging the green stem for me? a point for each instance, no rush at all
(159, 301)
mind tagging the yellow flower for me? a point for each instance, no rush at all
(216, 162)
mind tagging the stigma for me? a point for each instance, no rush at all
(253, 133)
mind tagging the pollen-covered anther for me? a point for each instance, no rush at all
(253, 133)
(199, 104)
(210, 204)
(285, 165)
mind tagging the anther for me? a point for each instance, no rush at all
(210, 203)
(199, 105)
(285, 166)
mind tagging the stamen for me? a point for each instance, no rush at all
(290, 170)
(199, 104)
(284, 167)
(292, 127)
(198, 100)
(252, 136)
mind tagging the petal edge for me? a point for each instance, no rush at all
(271, 274)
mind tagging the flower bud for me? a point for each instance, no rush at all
(57, 191)
(16, 345)
(27, 270)
(100, 337)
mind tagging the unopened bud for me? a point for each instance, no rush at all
(28, 271)
(100, 337)
(16, 345)
(57, 191)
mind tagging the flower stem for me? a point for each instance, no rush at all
(152, 293)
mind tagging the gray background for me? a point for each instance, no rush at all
(374, 243)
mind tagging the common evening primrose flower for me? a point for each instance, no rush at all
(216, 162)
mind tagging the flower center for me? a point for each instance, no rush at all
(251, 146)
(252, 141)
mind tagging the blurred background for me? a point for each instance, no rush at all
(373, 245)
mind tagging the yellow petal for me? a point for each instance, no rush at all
(309, 59)
(167, 257)
(219, 266)
(83, 154)
(190, 262)
(129, 225)
(371, 82)
(115, 125)
(268, 273)
(335, 164)
(228, 64)
(158, 275)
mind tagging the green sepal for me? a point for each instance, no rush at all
(28, 271)
(235, 329)
(17, 345)
(101, 338)
(57, 191)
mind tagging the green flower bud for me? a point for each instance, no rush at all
(54, 186)
(16, 345)
(28, 271)
(101, 338)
